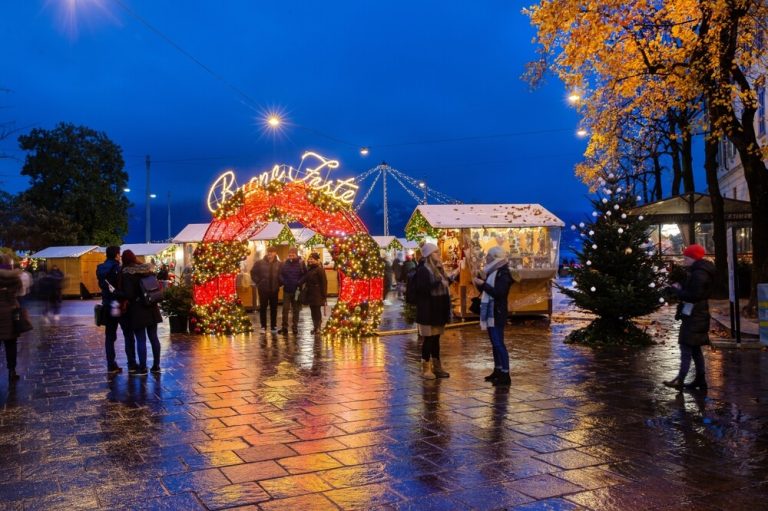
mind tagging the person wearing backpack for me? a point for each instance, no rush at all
(143, 314)
(494, 285)
(108, 274)
(433, 308)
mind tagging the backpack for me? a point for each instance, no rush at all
(151, 292)
(411, 294)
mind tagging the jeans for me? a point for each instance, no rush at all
(268, 299)
(430, 348)
(317, 317)
(500, 353)
(686, 354)
(291, 306)
(141, 345)
(10, 353)
(110, 336)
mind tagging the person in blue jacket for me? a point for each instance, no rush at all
(108, 274)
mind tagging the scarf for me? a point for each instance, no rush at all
(486, 300)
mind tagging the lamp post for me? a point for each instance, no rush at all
(147, 209)
(169, 216)
(423, 186)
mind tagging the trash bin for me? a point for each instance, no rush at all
(762, 307)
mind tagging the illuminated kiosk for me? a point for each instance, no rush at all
(465, 232)
(286, 194)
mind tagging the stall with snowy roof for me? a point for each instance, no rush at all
(528, 233)
(77, 263)
(308, 241)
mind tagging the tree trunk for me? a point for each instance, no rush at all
(686, 153)
(757, 180)
(675, 150)
(718, 217)
(657, 191)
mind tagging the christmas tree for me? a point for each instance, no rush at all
(619, 277)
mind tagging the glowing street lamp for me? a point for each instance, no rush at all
(574, 97)
(423, 186)
(581, 133)
(364, 151)
(153, 196)
(274, 121)
(127, 190)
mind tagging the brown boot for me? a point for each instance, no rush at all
(437, 369)
(426, 370)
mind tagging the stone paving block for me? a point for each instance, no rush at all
(490, 498)
(362, 497)
(317, 432)
(591, 478)
(308, 463)
(305, 502)
(546, 443)
(265, 452)
(314, 446)
(233, 495)
(569, 459)
(555, 504)
(255, 471)
(195, 481)
(543, 486)
(357, 475)
(185, 501)
(291, 486)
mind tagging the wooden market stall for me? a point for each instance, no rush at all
(309, 241)
(78, 264)
(154, 253)
(529, 233)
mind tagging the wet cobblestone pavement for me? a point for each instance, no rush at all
(274, 422)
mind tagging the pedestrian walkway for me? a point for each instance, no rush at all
(272, 422)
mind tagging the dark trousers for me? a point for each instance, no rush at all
(686, 354)
(317, 317)
(110, 336)
(500, 353)
(291, 306)
(268, 299)
(141, 345)
(430, 348)
(10, 353)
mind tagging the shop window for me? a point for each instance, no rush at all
(672, 242)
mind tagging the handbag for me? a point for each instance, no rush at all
(97, 310)
(21, 321)
(304, 296)
(474, 307)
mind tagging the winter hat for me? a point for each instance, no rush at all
(427, 249)
(497, 253)
(694, 251)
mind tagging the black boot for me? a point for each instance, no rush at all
(495, 374)
(700, 382)
(677, 383)
(503, 380)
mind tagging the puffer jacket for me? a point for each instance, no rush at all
(500, 294)
(266, 275)
(315, 286)
(291, 273)
(697, 288)
(108, 271)
(10, 285)
(430, 310)
(139, 314)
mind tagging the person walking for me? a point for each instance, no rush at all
(433, 309)
(54, 281)
(315, 290)
(142, 317)
(108, 276)
(291, 272)
(265, 275)
(10, 285)
(397, 274)
(494, 285)
(693, 311)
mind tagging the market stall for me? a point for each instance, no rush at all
(309, 241)
(157, 254)
(78, 264)
(529, 233)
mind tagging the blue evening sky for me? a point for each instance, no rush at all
(365, 73)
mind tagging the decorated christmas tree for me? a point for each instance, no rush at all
(619, 276)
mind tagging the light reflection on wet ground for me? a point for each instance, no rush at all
(305, 423)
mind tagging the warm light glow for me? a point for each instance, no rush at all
(273, 120)
(581, 133)
(422, 184)
(126, 190)
(574, 97)
(364, 151)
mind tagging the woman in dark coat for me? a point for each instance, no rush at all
(433, 309)
(494, 286)
(315, 290)
(142, 318)
(693, 311)
(10, 285)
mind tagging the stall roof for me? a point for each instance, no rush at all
(146, 249)
(408, 244)
(383, 241)
(302, 235)
(192, 233)
(454, 216)
(270, 231)
(77, 251)
(697, 204)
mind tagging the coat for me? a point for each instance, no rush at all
(266, 275)
(697, 288)
(291, 273)
(138, 313)
(500, 294)
(430, 310)
(315, 283)
(10, 285)
(108, 271)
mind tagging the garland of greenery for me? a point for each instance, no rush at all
(418, 228)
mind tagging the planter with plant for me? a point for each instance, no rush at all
(177, 307)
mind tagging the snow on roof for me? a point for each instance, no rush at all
(302, 235)
(269, 232)
(146, 249)
(77, 251)
(192, 233)
(445, 216)
(407, 244)
(383, 241)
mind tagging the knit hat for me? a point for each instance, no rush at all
(497, 252)
(427, 249)
(694, 251)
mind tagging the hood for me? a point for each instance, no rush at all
(139, 269)
(704, 265)
(9, 278)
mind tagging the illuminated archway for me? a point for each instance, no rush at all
(287, 195)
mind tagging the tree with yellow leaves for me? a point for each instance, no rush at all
(653, 57)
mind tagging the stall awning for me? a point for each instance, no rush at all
(692, 207)
(302, 235)
(192, 233)
(385, 242)
(407, 244)
(146, 249)
(54, 252)
(456, 216)
(270, 231)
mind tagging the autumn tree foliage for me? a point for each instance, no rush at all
(656, 58)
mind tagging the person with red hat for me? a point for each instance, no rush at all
(693, 311)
